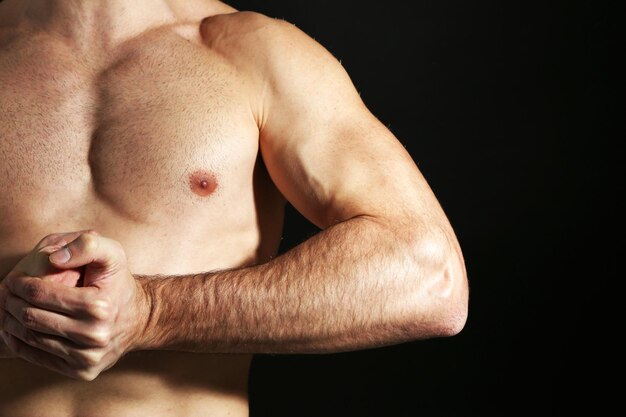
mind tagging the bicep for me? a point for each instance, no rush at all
(328, 155)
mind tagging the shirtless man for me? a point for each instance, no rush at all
(147, 149)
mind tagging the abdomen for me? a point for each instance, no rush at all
(141, 384)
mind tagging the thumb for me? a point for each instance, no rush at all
(103, 255)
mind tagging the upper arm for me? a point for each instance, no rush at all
(327, 154)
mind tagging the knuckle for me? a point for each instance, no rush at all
(100, 309)
(33, 292)
(90, 360)
(100, 337)
(28, 317)
(89, 241)
(86, 375)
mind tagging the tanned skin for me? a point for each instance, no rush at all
(148, 150)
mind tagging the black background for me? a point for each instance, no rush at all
(505, 107)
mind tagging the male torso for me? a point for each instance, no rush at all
(153, 143)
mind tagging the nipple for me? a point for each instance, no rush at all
(202, 183)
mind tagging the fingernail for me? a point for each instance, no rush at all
(61, 256)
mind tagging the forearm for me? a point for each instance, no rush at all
(357, 284)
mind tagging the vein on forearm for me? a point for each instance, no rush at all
(340, 290)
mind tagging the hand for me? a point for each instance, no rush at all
(76, 331)
(36, 264)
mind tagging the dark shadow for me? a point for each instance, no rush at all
(270, 211)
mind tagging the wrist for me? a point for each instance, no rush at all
(141, 339)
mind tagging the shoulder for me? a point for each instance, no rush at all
(262, 43)
(246, 28)
(290, 72)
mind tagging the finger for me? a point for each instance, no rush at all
(51, 344)
(5, 353)
(36, 356)
(72, 353)
(37, 264)
(39, 320)
(47, 360)
(87, 333)
(51, 295)
(100, 253)
(60, 239)
(4, 293)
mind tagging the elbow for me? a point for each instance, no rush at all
(441, 295)
(447, 317)
(451, 321)
(451, 305)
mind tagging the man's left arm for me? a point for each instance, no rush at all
(385, 269)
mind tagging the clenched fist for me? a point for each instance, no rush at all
(71, 305)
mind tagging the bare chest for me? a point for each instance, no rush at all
(163, 128)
